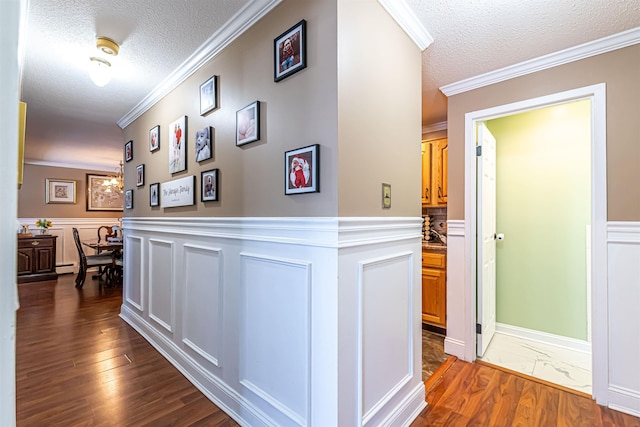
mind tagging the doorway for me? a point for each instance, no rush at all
(597, 261)
(538, 207)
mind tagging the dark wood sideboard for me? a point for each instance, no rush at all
(37, 258)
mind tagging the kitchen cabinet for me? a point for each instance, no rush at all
(435, 156)
(37, 258)
(434, 288)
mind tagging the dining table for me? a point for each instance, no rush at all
(115, 246)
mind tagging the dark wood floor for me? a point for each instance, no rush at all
(79, 364)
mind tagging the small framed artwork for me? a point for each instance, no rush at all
(248, 124)
(154, 194)
(154, 138)
(209, 95)
(103, 193)
(290, 51)
(60, 191)
(178, 145)
(203, 144)
(302, 170)
(128, 199)
(139, 175)
(128, 151)
(209, 185)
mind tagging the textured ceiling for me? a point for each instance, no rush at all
(70, 120)
(472, 37)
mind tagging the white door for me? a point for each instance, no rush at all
(486, 238)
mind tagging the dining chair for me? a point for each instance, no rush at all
(88, 261)
(104, 232)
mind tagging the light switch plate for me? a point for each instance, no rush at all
(386, 196)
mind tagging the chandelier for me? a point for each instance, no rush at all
(115, 183)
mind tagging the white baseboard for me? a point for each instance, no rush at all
(544, 337)
(454, 347)
(627, 401)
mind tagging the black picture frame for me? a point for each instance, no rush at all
(154, 138)
(128, 199)
(290, 51)
(248, 124)
(209, 185)
(140, 175)
(302, 170)
(128, 151)
(204, 144)
(154, 194)
(209, 95)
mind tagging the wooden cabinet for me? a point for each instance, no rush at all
(435, 156)
(426, 173)
(37, 258)
(434, 289)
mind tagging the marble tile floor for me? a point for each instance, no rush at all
(433, 354)
(551, 363)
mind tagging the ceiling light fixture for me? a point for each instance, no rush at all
(100, 69)
(115, 183)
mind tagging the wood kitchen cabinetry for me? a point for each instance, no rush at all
(434, 288)
(37, 258)
(435, 155)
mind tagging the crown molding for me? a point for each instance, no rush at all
(408, 21)
(237, 25)
(75, 165)
(435, 127)
(576, 53)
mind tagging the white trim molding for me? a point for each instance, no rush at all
(280, 298)
(543, 337)
(74, 165)
(238, 24)
(576, 53)
(404, 16)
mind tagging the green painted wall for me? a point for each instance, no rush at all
(543, 208)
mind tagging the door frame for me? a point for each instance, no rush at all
(599, 325)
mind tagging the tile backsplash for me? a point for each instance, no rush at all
(437, 218)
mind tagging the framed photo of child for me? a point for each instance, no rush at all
(178, 145)
(248, 124)
(302, 170)
(154, 194)
(290, 51)
(209, 95)
(209, 185)
(154, 138)
(128, 151)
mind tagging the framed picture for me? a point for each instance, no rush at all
(178, 145)
(290, 51)
(128, 151)
(209, 180)
(178, 192)
(154, 138)
(139, 175)
(209, 95)
(302, 170)
(60, 191)
(154, 194)
(248, 124)
(128, 199)
(103, 193)
(203, 144)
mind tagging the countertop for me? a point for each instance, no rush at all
(434, 247)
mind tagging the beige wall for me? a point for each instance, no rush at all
(298, 111)
(379, 106)
(619, 70)
(31, 195)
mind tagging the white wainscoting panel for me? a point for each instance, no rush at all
(67, 259)
(275, 333)
(624, 316)
(133, 269)
(386, 341)
(265, 314)
(457, 270)
(202, 307)
(161, 280)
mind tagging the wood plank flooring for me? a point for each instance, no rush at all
(79, 364)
